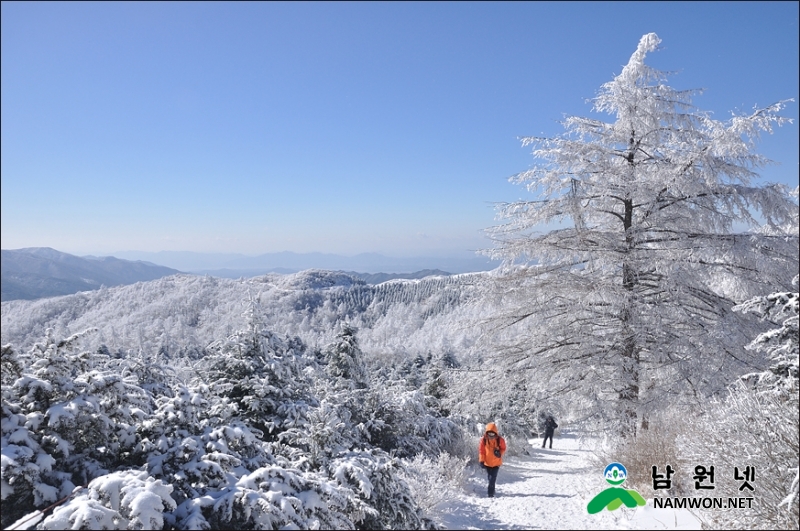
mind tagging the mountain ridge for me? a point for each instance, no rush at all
(290, 262)
(189, 311)
(39, 272)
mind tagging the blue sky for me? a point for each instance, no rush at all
(332, 127)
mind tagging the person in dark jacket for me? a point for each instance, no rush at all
(490, 454)
(549, 427)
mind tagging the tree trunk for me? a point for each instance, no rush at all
(629, 393)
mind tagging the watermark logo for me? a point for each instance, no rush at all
(615, 497)
(616, 474)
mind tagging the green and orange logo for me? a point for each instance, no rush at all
(615, 497)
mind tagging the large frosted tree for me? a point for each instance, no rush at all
(627, 303)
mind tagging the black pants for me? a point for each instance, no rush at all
(492, 472)
(548, 435)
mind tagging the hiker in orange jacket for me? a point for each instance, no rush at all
(490, 453)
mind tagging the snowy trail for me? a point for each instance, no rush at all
(550, 490)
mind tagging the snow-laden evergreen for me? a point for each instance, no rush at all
(781, 343)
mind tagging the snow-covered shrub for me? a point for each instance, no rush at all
(119, 406)
(87, 408)
(65, 421)
(153, 375)
(658, 445)
(120, 500)
(387, 501)
(464, 445)
(28, 480)
(326, 434)
(781, 344)
(10, 367)
(192, 442)
(418, 429)
(758, 425)
(391, 415)
(226, 476)
(278, 498)
(397, 420)
(751, 428)
(434, 480)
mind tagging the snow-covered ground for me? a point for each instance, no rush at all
(550, 490)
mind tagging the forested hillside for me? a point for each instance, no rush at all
(184, 313)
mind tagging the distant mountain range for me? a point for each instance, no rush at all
(39, 272)
(377, 278)
(237, 265)
(369, 278)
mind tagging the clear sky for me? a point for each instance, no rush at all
(332, 127)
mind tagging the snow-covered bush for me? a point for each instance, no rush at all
(390, 415)
(387, 501)
(418, 429)
(758, 425)
(278, 498)
(264, 376)
(65, 421)
(325, 435)
(345, 361)
(191, 441)
(10, 367)
(28, 479)
(120, 500)
(334, 447)
(150, 373)
(434, 480)
(659, 445)
(751, 428)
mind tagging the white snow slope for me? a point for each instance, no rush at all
(550, 490)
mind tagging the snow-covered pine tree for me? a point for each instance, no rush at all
(191, 441)
(376, 477)
(10, 367)
(628, 302)
(345, 360)
(782, 344)
(262, 374)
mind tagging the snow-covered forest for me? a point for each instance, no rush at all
(650, 321)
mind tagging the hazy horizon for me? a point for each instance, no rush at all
(289, 262)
